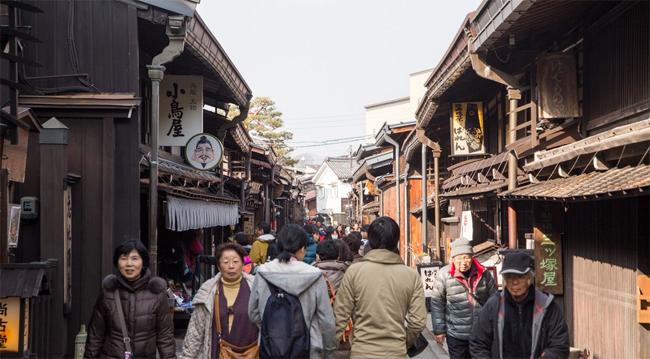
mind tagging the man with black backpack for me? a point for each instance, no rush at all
(289, 301)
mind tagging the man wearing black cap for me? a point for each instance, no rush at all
(522, 321)
(459, 291)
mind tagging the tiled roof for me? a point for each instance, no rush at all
(343, 167)
(614, 182)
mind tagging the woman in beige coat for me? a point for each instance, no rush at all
(234, 288)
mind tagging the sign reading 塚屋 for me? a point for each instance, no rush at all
(181, 109)
(548, 248)
(9, 324)
(467, 128)
(203, 151)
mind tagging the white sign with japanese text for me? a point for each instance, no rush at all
(9, 324)
(181, 109)
(428, 274)
(466, 226)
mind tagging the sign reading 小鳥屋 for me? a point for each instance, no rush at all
(181, 109)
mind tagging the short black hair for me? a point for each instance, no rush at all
(229, 246)
(327, 250)
(365, 227)
(265, 227)
(290, 239)
(242, 239)
(311, 229)
(383, 233)
(353, 240)
(345, 254)
(126, 247)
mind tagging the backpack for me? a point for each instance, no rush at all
(284, 332)
(271, 251)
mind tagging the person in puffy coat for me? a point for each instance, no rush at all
(521, 321)
(459, 292)
(143, 298)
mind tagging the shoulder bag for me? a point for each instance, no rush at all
(128, 353)
(227, 350)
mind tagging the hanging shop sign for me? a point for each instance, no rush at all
(181, 109)
(10, 324)
(548, 248)
(558, 88)
(466, 225)
(203, 151)
(643, 298)
(13, 229)
(467, 129)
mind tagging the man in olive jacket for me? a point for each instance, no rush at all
(459, 292)
(384, 298)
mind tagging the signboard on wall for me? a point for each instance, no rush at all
(181, 109)
(203, 151)
(548, 247)
(466, 225)
(643, 298)
(467, 129)
(558, 88)
(9, 324)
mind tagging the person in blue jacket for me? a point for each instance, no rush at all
(312, 241)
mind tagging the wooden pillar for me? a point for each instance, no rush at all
(53, 141)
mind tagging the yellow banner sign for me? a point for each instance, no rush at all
(467, 128)
(9, 324)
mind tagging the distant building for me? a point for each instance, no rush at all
(396, 110)
(332, 181)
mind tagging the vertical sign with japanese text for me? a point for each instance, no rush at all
(9, 324)
(428, 274)
(548, 247)
(467, 129)
(181, 109)
(558, 88)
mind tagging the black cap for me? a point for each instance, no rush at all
(517, 263)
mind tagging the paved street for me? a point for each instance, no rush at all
(433, 351)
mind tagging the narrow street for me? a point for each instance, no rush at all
(324, 179)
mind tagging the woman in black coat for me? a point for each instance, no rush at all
(146, 312)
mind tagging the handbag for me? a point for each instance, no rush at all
(128, 352)
(418, 347)
(228, 350)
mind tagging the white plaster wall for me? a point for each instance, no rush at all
(417, 89)
(392, 113)
(329, 191)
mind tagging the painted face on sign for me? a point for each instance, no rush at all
(203, 153)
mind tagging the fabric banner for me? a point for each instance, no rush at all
(185, 214)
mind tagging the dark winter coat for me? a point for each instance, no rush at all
(146, 314)
(453, 308)
(310, 250)
(549, 335)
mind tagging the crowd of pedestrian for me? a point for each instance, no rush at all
(316, 291)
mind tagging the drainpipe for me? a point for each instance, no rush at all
(436, 151)
(176, 34)
(514, 95)
(407, 222)
(397, 193)
(424, 200)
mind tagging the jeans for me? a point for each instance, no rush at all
(458, 348)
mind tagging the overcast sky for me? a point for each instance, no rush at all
(322, 61)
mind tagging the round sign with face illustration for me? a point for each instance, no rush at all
(203, 151)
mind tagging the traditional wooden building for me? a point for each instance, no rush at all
(545, 105)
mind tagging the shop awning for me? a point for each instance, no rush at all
(185, 214)
(612, 183)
